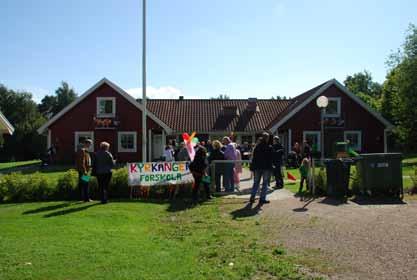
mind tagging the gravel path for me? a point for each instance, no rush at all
(347, 241)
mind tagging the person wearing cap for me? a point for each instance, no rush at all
(277, 155)
(83, 160)
(229, 154)
(261, 166)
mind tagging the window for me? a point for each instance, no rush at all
(106, 107)
(79, 138)
(355, 139)
(127, 142)
(313, 139)
(333, 109)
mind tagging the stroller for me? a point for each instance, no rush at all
(292, 160)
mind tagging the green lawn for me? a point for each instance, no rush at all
(138, 240)
(7, 165)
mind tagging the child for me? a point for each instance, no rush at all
(304, 170)
(238, 169)
(198, 168)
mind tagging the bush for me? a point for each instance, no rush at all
(413, 189)
(320, 179)
(18, 187)
(67, 186)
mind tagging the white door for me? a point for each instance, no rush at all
(156, 146)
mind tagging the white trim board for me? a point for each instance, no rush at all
(91, 90)
(322, 89)
(6, 123)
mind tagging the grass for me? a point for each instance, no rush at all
(137, 240)
(9, 165)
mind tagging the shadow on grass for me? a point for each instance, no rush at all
(246, 211)
(71, 210)
(49, 208)
(174, 205)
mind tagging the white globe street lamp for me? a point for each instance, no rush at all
(322, 102)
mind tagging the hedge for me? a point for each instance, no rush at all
(18, 187)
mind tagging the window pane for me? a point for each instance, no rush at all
(106, 107)
(313, 141)
(332, 107)
(354, 140)
(127, 141)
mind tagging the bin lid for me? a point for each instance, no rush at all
(382, 155)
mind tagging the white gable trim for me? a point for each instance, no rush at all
(91, 90)
(7, 124)
(327, 85)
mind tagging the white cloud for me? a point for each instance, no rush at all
(164, 92)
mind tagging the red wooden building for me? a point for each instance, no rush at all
(107, 113)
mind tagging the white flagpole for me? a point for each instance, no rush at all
(144, 113)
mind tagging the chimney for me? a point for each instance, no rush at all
(252, 105)
(181, 97)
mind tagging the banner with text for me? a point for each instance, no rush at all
(158, 173)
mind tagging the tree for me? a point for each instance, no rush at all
(23, 113)
(222, 97)
(52, 104)
(400, 93)
(362, 85)
(278, 97)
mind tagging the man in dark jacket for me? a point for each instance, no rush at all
(278, 153)
(261, 167)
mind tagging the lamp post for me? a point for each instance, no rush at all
(322, 103)
(144, 113)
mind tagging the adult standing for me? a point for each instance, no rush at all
(229, 154)
(261, 166)
(277, 155)
(103, 165)
(198, 168)
(306, 150)
(168, 153)
(182, 154)
(217, 154)
(83, 161)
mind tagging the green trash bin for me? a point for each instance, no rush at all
(381, 174)
(338, 174)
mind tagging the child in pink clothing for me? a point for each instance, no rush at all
(237, 170)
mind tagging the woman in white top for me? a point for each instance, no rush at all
(168, 153)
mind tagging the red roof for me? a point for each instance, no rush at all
(207, 115)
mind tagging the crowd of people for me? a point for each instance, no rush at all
(216, 160)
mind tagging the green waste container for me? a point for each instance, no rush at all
(381, 174)
(338, 174)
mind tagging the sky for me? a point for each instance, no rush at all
(198, 48)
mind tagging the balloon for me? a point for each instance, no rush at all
(185, 136)
(195, 140)
(192, 136)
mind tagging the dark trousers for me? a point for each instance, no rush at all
(278, 176)
(303, 179)
(197, 182)
(103, 185)
(83, 186)
(228, 183)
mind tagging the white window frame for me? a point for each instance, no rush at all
(357, 132)
(120, 149)
(316, 132)
(77, 135)
(112, 115)
(339, 107)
